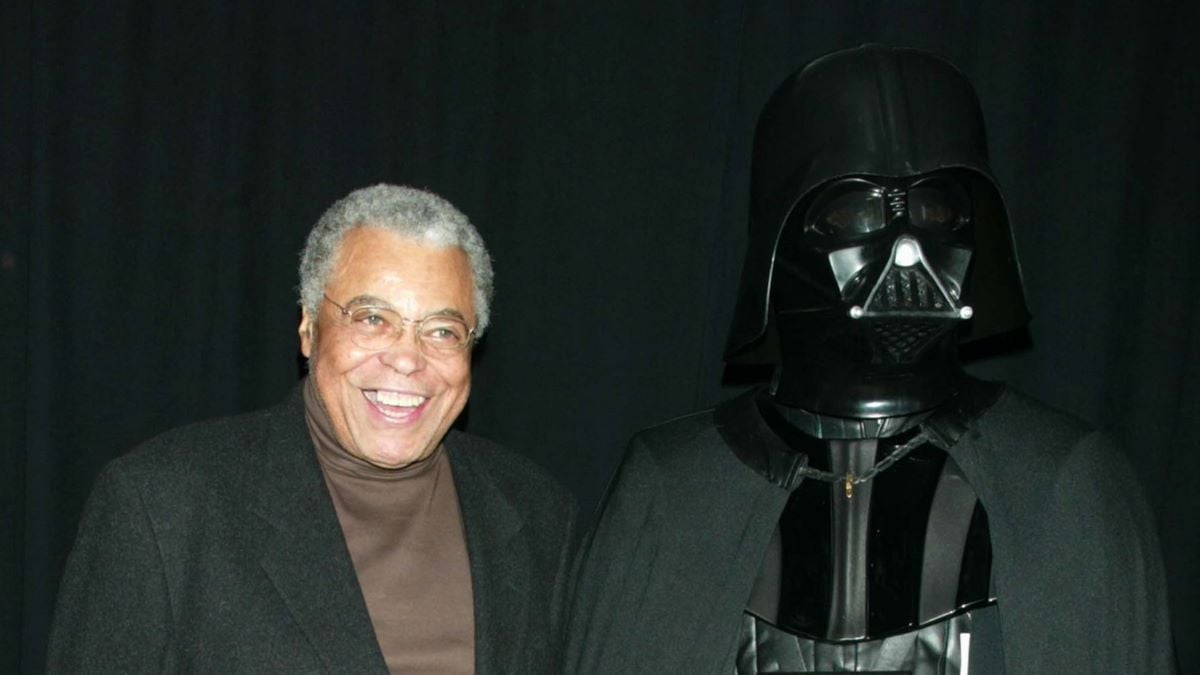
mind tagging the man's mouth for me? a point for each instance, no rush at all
(394, 405)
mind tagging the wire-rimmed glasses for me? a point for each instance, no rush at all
(377, 328)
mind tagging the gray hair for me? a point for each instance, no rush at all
(408, 212)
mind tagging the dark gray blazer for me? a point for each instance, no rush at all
(216, 548)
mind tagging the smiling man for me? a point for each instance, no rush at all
(348, 529)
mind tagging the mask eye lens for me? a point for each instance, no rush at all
(848, 215)
(934, 213)
(938, 207)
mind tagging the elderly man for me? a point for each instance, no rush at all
(347, 529)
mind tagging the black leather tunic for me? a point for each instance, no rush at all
(887, 577)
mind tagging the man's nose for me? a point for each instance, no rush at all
(404, 355)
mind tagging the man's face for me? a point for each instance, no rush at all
(390, 407)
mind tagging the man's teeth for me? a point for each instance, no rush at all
(398, 400)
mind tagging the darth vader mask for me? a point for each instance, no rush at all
(888, 254)
(878, 237)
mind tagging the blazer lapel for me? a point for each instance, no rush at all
(307, 559)
(499, 565)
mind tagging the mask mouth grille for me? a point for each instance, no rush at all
(907, 289)
(902, 340)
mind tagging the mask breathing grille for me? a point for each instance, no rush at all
(903, 339)
(907, 288)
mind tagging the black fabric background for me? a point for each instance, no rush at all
(162, 162)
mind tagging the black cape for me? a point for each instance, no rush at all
(670, 564)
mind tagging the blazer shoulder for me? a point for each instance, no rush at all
(215, 449)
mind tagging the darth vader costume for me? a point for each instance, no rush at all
(875, 509)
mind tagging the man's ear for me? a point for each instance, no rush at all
(308, 333)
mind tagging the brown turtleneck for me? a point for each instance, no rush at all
(405, 534)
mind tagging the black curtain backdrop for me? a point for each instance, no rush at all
(162, 163)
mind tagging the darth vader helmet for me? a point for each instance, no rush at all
(878, 236)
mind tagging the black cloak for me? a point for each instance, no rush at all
(670, 564)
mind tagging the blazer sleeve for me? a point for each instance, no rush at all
(113, 612)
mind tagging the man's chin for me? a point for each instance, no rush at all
(395, 458)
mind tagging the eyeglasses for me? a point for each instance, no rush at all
(377, 328)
